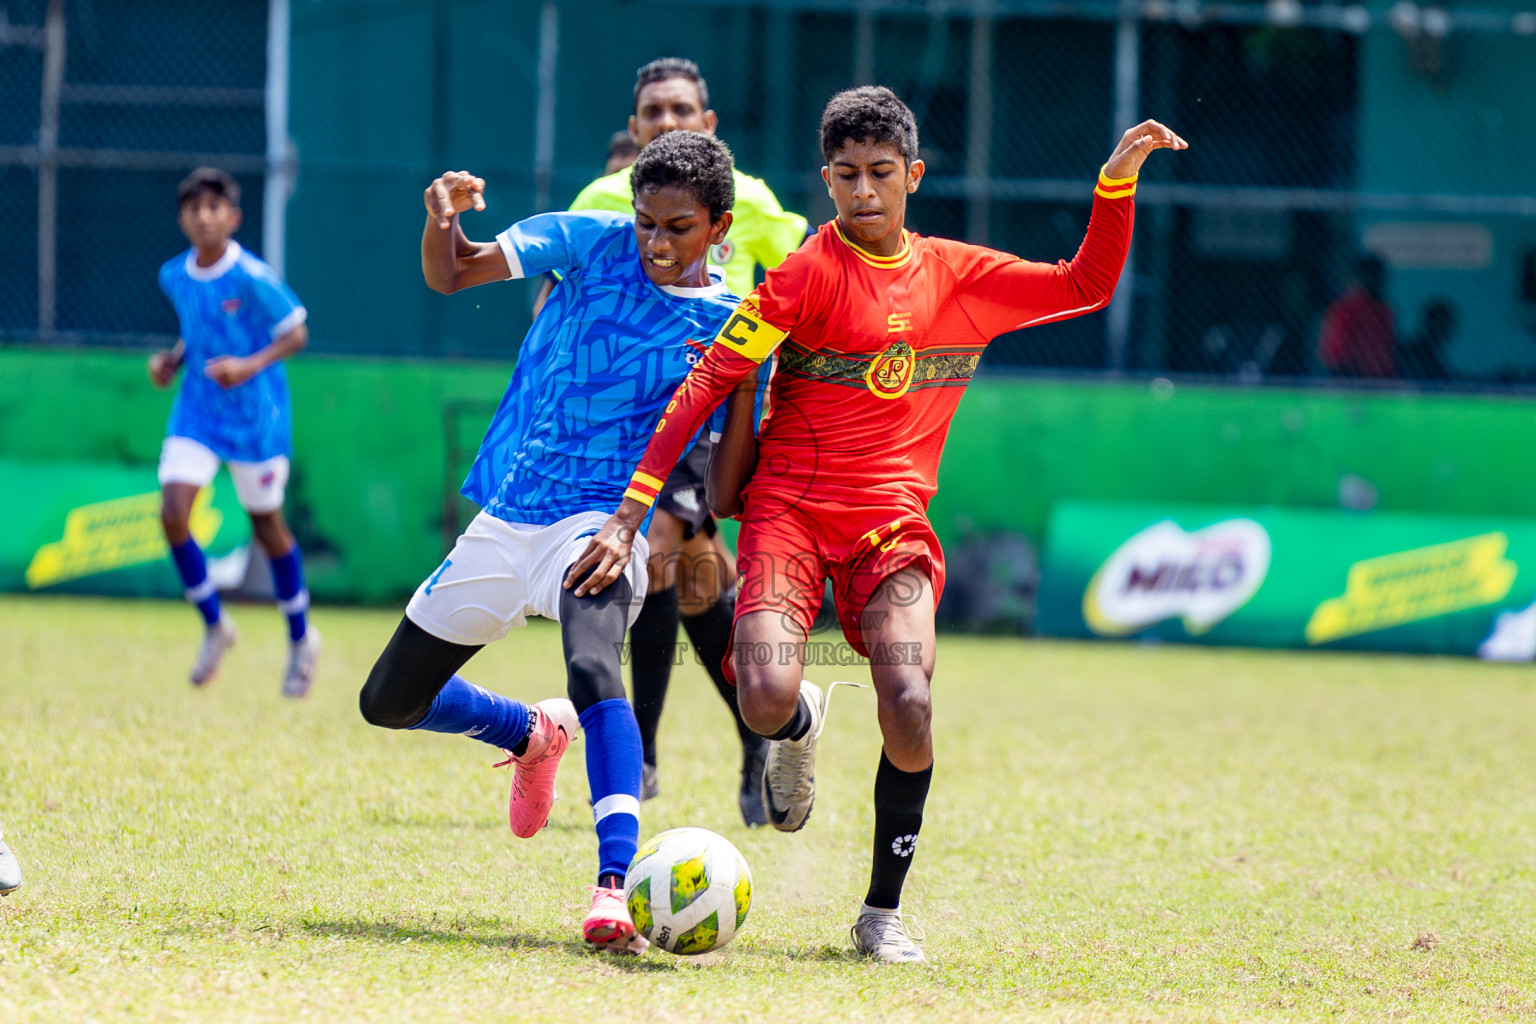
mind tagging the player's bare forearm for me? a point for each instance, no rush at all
(288, 344)
(734, 457)
(450, 260)
(165, 364)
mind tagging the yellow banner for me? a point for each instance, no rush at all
(1408, 586)
(114, 534)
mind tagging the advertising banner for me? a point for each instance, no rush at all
(1276, 577)
(94, 528)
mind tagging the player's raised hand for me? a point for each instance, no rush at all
(605, 559)
(1136, 145)
(453, 193)
(229, 371)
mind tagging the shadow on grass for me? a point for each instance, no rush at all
(478, 934)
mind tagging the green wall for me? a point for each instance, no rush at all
(374, 440)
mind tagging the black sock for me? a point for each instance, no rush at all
(798, 725)
(899, 799)
(710, 634)
(652, 648)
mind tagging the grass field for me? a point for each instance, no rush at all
(1115, 833)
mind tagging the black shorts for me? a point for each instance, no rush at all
(683, 492)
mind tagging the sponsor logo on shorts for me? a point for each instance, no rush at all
(1164, 573)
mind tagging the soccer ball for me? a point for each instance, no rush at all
(688, 891)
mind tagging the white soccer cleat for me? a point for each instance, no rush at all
(302, 658)
(883, 935)
(10, 871)
(218, 639)
(789, 777)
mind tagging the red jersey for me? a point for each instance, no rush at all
(874, 353)
(1358, 337)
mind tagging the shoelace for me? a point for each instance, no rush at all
(906, 927)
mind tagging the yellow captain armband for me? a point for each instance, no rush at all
(1115, 188)
(747, 334)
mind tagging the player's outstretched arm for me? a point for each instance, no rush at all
(1136, 145)
(165, 364)
(734, 457)
(450, 262)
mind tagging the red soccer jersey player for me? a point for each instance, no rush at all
(877, 332)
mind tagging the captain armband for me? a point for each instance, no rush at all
(748, 334)
(1115, 188)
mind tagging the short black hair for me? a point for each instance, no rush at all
(870, 112)
(620, 144)
(208, 181)
(691, 160)
(663, 68)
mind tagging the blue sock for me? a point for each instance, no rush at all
(469, 710)
(200, 590)
(292, 597)
(613, 772)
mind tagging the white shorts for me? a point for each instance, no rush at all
(500, 573)
(259, 485)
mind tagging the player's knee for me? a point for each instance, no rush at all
(766, 702)
(592, 677)
(380, 704)
(906, 710)
(175, 520)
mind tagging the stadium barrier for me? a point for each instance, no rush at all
(94, 527)
(1274, 577)
(381, 445)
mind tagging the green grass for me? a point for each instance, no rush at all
(1115, 833)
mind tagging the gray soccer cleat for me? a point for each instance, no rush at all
(218, 639)
(789, 777)
(302, 657)
(883, 935)
(10, 871)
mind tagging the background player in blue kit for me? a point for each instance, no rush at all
(239, 321)
(635, 308)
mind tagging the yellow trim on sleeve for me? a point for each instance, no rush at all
(1115, 188)
(647, 480)
(748, 334)
(640, 496)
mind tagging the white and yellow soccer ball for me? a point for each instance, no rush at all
(688, 891)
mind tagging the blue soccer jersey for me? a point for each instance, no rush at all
(233, 308)
(595, 372)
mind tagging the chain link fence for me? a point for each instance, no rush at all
(1357, 175)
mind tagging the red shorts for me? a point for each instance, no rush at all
(785, 554)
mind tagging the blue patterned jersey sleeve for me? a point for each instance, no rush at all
(555, 241)
(280, 308)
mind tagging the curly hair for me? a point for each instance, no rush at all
(208, 181)
(664, 68)
(870, 113)
(689, 160)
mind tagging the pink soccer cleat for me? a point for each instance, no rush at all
(533, 774)
(608, 925)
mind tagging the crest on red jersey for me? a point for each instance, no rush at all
(890, 374)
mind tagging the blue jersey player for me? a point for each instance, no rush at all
(636, 307)
(239, 321)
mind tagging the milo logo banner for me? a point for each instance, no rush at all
(1291, 578)
(87, 527)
